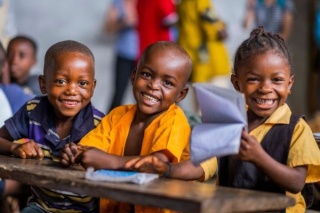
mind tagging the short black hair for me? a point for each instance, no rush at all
(172, 46)
(260, 41)
(65, 47)
(25, 39)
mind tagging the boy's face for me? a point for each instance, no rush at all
(21, 58)
(69, 83)
(159, 81)
(265, 81)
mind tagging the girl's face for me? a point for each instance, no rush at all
(265, 80)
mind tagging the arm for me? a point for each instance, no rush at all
(290, 179)
(249, 16)
(27, 149)
(184, 170)
(286, 25)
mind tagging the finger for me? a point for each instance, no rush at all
(74, 149)
(21, 153)
(64, 162)
(39, 152)
(130, 163)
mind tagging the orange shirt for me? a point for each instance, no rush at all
(169, 131)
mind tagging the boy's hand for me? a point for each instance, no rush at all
(149, 164)
(93, 157)
(28, 149)
(250, 148)
(69, 153)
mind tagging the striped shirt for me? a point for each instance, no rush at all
(35, 120)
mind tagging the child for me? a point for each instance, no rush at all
(21, 54)
(12, 97)
(291, 158)
(46, 123)
(154, 125)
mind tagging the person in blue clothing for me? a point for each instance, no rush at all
(12, 97)
(122, 20)
(274, 15)
(64, 114)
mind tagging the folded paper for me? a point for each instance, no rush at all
(223, 116)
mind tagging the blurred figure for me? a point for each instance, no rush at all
(155, 19)
(202, 35)
(122, 19)
(8, 27)
(7, 31)
(274, 15)
(12, 97)
(21, 55)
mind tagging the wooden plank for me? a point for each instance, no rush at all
(165, 193)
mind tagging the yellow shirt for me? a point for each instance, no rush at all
(169, 131)
(303, 149)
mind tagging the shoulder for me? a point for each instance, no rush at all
(174, 114)
(97, 116)
(117, 113)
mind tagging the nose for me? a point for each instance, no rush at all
(154, 84)
(266, 87)
(72, 89)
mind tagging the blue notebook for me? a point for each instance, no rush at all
(119, 176)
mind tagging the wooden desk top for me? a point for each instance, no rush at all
(164, 193)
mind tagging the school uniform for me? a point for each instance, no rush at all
(169, 131)
(35, 120)
(303, 150)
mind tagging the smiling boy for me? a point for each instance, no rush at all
(154, 125)
(46, 123)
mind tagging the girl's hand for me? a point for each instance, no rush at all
(250, 148)
(28, 149)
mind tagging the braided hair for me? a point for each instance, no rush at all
(259, 42)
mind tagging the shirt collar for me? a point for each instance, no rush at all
(43, 113)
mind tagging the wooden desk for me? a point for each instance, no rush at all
(165, 193)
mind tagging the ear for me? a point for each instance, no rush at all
(94, 86)
(133, 75)
(235, 82)
(183, 93)
(42, 84)
(291, 81)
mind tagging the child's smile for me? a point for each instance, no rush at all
(149, 99)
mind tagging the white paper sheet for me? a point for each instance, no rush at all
(223, 116)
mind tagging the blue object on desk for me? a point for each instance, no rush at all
(119, 176)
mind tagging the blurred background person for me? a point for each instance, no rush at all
(155, 21)
(121, 20)
(274, 15)
(22, 57)
(202, 34)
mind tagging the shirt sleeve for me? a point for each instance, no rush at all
(18, 124)
(305, 151)
(173, 135)
(209, 167)
(99, 137)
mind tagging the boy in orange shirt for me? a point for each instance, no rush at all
(154, 125)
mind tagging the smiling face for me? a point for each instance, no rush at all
(160, 80)
(265, 81)
(21, 58)
(69, 83)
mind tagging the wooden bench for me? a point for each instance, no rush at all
(165, 193)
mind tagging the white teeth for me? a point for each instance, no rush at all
(262, 101)
(150, 98)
